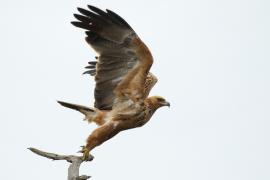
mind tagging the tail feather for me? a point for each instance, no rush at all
(91, 114)
(82, 109)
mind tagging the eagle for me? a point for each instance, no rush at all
(122, 78)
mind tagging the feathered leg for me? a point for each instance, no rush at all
(99, 136)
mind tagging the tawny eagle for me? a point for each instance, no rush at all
(122, 76)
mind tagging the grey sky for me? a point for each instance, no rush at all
(212, 61)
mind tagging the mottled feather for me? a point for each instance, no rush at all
(121, 55)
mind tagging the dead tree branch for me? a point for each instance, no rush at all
(74, 167)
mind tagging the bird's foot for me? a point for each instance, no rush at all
(86, 153)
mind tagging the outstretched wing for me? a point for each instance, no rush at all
(124, 61)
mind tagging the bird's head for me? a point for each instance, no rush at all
(159, 101)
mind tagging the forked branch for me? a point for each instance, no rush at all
(74, 167)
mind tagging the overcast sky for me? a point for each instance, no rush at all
(212, 60)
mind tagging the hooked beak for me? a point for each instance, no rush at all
(167, 104)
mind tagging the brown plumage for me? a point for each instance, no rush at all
(121, 71)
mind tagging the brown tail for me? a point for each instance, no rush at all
(83, 109)
(91, 115)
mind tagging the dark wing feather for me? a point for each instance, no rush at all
(111, 36)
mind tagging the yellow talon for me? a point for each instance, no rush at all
(86, 153)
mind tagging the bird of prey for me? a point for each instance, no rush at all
(121, 73)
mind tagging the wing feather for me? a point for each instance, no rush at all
(124, 60)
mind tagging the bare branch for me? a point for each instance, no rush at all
(73, 170)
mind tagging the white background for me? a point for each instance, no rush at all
(212, 61)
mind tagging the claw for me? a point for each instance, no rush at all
(86, 153)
